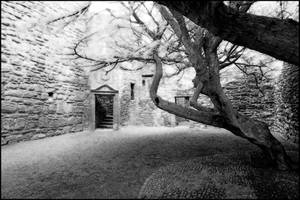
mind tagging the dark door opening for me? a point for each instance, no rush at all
(104, 111)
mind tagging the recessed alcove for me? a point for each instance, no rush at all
(50, 94)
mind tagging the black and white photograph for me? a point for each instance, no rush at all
(149, 99)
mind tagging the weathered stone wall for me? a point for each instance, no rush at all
(287, 104)
(141, 110)
(247, 98)
(33, 65)
(278, 106)
(124, 106)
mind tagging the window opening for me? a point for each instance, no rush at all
(132, 91)
(147, 75)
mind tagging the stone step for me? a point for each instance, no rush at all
(106, 123)
(110, 118)
(104, 126)
(107, 120)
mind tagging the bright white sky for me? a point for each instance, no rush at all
(97, 6)
(260, 7)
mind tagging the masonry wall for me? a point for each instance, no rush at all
(139, 111)
(287, 104)
(250, 100)
(34, 65)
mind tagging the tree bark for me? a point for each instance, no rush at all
(271, 36)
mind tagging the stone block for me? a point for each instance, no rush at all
(67, 107)
(8, 107)
(78, 128)
(62, 122)
(31, 124)
(14, 138)
(5, 68)
(38, 136)
(44, 96)
(52, 108)
(60, 107)
(60, 97)
(19, 123)
(53, 123)
(7, 124)
(66, 129)
(29, 94)
(58, 132)
(37, 109)
(71, 120)
(22, 108)
(14, 93)
(43, 122)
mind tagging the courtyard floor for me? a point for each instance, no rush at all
(104, 164)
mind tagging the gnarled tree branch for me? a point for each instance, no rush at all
(195, 104)
(188, 113)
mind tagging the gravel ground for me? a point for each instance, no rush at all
(104, 164)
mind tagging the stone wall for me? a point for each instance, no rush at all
(248, 99)
(124, 107)
(139, 111)
(43, 91)
(278, 106)
(287, 104)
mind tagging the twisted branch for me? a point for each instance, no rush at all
(188, 113)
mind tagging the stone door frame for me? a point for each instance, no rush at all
(116, 113)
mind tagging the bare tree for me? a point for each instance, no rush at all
(155, 30)
(207, 82)
(269, 35)
(177, 41)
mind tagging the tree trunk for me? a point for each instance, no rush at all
(268, 35)
(254, 131)
(207, 81)
(258, 133)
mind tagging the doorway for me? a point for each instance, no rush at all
(104, 104)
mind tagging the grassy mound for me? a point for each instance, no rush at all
(221, 176)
